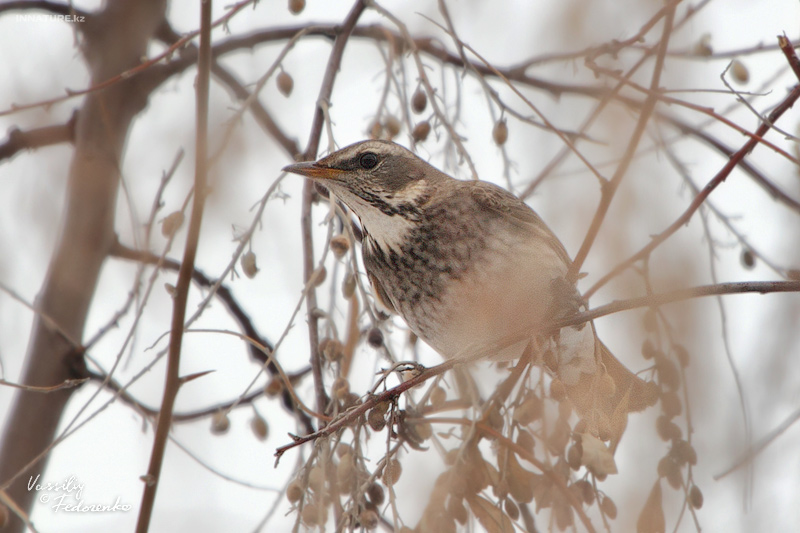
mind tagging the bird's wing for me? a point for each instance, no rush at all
(515, 212)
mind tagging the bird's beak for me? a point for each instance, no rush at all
(311, 169)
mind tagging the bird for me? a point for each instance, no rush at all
(476, 274)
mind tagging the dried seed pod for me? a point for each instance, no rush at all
(696, 497)
(423, 430)
(511, 509)
(586, 491)
(273, 387)
(608, 507)
(220, 423)
(294, 492)
(341, 388)
(530, 409)
(376, 418)
(285, 83)
(375, 337)
(392, 126)
(391, 472)
(375, 494)
(375, 130)
(520, 481)
(681, 354)
(368, 519)
(574, 455)
(171, 289)
(667, 429)
(171, 224)
(457, 509)
(332, 349)
(248, 262)
(525, 440)
(310, 514)
(500, 132)
(564, 515)
(259, 427)
(318, 276)
(297, 6)
(438, 397)
(343, 449)
(668, 374)
(419, 101)
(748, 259)
(349, 286)
(495, 418)
(703, 46)
(340, 245)
(683, 453)
(421, 131)
(345, 472)
(316, 479)
(667, 468)
(740, 72)
(648, 350)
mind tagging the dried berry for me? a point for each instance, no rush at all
(368, 519)
(171, 224)
(294, 492)
(438, 397)
(349, 286)
(375, 494)
(273, 387)
(681, 355)
(318, 276)
(421, 131)
(297, 6)
(285, 83)
(608, 507)
(392, 126)
(340, 245)
(500, 132)
(259, 427)
(696, 497)
(391, 472)
(419, 101)
(375, 338)
(220, 423)
(740, 72)
(248, 262)
(332, 349)
(748, 259)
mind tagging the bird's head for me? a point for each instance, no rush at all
(383, 183)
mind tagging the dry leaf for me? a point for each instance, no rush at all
(596, 456)
(652, 518)
(491, 517)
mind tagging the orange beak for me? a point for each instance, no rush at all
(311, 169)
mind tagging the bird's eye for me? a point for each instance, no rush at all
(368, 160)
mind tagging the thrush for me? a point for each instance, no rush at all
(475, 273)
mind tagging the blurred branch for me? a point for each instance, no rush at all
(609, 189)
(310, 153)
(42, 5)
(173, 380)
(698, 200)
(760, 287)
(19, 140)
(101, 127)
